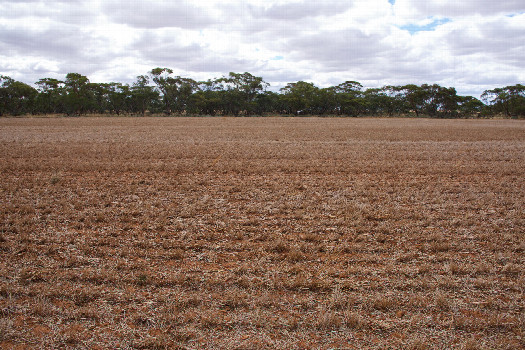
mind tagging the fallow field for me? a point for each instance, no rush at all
(251, 233)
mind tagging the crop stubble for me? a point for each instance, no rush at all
(248, 233)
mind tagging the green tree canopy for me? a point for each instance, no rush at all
(509, 100)
(16, 97)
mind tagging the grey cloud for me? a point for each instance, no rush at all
(85, 67)
(488, 79)
(337, 49)
(164, 50)
(32, 72)
(71, 49)
(282, 75)
(262, 28)
(410, 72)
(165, 47)
(28, 75)
(279, 20)
(462, 8)
(40, 1)
(270, 32)
(498, 40)
(60, 11)
(59, 41)
(158, 15)
(299, 10)
(221, 64)
(351, 54)
(506, 43)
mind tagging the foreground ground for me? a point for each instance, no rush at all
(247, 233)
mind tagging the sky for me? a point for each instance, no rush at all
(472, 45)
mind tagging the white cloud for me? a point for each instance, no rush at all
(472, 45)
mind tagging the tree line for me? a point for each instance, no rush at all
(160, 92)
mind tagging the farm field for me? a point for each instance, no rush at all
(249, 233)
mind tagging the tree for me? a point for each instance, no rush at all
(16, 97)
(325, 101)
(160, 77)
(439, 101)
(184, 88)
(99, 98)
(469, 106)
(268, 102)
(118, 97)
(232, 95)
(5, 82)
(380, 101)
(413, 98)
(143, 97)
(432, 100)
(349, 98)
(509, 100)
(298, 97)
(242, 89)
(175, 91)
(50, 97)
(392, 100)
(246, 94)
(78, 95)
(208, 98)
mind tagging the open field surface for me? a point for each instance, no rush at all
(247, 233)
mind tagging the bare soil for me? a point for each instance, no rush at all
(249, 233)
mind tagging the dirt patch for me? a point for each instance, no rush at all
(262, 233)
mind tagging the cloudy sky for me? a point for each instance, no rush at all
(472, 45)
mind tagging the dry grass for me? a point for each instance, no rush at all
(248, 233)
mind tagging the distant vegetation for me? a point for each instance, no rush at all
(159, 92)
